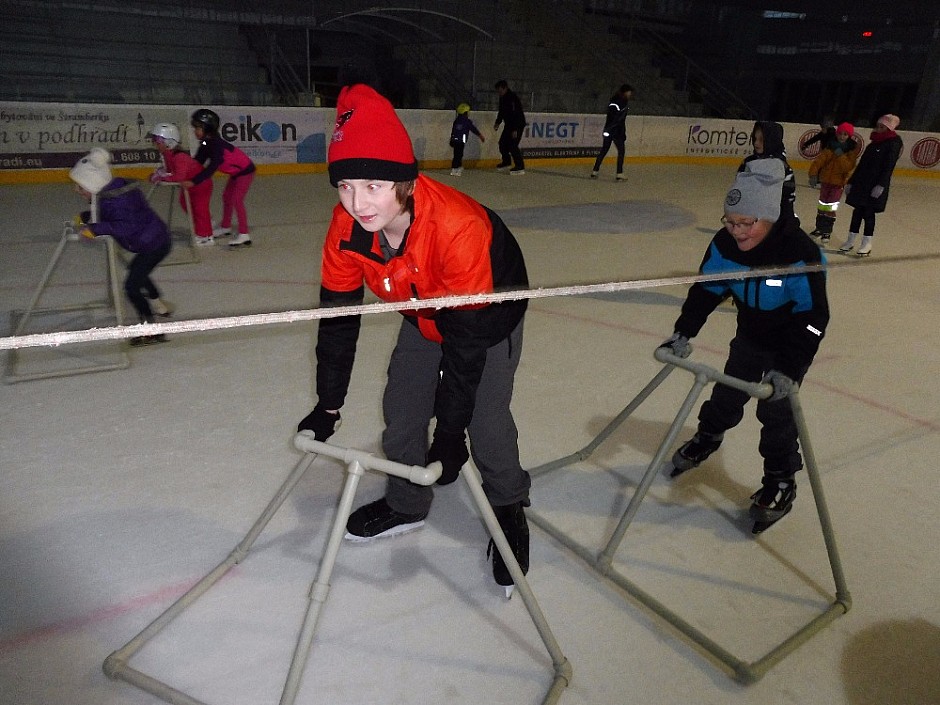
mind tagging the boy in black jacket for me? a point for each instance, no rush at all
(615, 129)
(512, 117)
(781, 321)
(767, 138)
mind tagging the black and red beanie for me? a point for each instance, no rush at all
(369, 141)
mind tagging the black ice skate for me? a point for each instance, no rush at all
(140, 340)
(694, 452)
(771, 502)
(377, 520)
(512, 521)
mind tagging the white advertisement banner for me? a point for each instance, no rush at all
(56, 135)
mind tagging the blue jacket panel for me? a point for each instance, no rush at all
(786, 314)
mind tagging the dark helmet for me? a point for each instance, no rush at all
(206, 119)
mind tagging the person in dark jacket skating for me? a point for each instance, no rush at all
(512, 117)
(868, 187)
(615, 129)
(459, 132)
(120, 210)
(781, 320)
(408, 237)
(218, 154)
(767, 139)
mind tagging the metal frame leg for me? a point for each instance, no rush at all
(602, 562)
(116, 666)
(192, 252)
(114, 301)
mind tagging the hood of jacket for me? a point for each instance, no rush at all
(773, 138)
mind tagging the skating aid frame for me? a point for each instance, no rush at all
(192, 255)
(116, 665)
(113, 303)
(602, 563)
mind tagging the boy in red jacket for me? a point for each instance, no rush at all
(408, 237)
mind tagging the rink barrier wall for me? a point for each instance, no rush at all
(40, 142)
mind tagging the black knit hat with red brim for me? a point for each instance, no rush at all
(369, 141)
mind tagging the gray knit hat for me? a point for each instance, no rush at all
(757, 190)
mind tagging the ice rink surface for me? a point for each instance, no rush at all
(120, 489)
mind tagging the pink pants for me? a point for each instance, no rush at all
(233, 199)
(200, 196)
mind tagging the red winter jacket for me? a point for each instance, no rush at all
(454, 246)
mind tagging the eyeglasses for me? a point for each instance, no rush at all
(738, 224)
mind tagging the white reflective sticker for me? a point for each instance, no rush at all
(774, 282)
(814, 331)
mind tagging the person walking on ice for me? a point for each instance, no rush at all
(408, 237)
(615, 130)
(781, 320)
(868, 187)
(830, 171)
(178, 166)
(459, 132)
(512, 117)
(218, 154)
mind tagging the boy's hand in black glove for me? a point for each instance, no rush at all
(323, 423)
(451, 450)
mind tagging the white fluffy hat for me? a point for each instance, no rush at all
(758, 190)
(92, 172)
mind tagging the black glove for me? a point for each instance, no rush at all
(678, 345)
(782, 385)
(321, 422)
(450, 449)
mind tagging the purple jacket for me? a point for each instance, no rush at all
(125, 215)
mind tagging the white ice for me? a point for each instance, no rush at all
(119, 489)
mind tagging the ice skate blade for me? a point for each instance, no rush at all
(761, 525)
(673, 471)
(509, 590)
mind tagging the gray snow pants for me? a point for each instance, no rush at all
(408, 407)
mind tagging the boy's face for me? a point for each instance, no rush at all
(842, 136)
(747, 232)
(759, 141)
(374, 204)
(199, 132)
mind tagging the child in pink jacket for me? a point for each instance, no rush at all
(179, 166)
(217, 154)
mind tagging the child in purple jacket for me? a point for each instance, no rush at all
(119, 209)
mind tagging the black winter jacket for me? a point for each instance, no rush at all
(774, 149)
(786, 315)
(874, 169)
